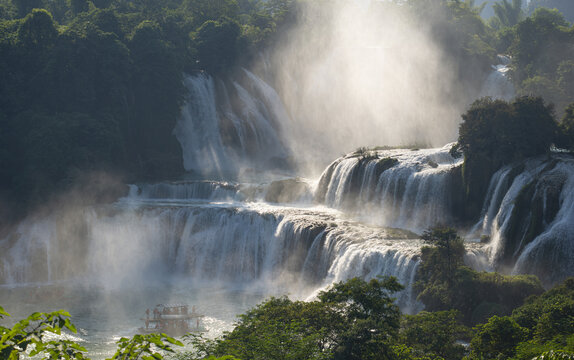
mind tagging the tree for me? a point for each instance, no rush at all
(52, 149)
(157, 92)
(550, 314)
(545, 32)
(279, 328)
(497, 339)
(566, 129)
(565, 74)
(371, 318)
(38, 29)
(148, 346)
(206, 10)
(477, 9)
(532, 130)
(434, 334)
(217, 44)
(450, 247)
(566, 7)
(25, 6)
(444, 284)
(495, 133)
(352, 320)
(555, 355)
(507, 14)
(79, 6)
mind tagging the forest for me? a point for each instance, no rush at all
(96, 86)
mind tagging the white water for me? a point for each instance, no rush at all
(228, 127)
(413, 194)
(294, 249)
(498, 84)
(550, 251)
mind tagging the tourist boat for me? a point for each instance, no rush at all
(172, 319)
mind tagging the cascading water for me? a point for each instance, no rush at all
(228, 126)
(528, 215)
(396, 188)
(273, 247)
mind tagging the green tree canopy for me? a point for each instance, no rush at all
(507, 13)
(356, 319)
(38, 29)
(497, 339)
(434, 334)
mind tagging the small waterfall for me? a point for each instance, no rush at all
(498, 84)
(406, 189)
(228, 126)
(529, 217)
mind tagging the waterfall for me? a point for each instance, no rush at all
(528, 216)
(406, 189)
(228, 126)
(498, 84)
(275, 248)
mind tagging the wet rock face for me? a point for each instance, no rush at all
(401, 188)
(527, 215)
(286, 191)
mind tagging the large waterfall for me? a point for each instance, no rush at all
(273, 247)
(226, 226)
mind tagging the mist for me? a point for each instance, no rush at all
(360, 73)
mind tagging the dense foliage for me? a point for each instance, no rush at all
(566, 7)
(543, 325)
(29, 335)
(434, 334)
(514, 318)
(541, 49)
(97, 85)
(507, 13)
(286, 329)
(445, 283)
(352, 320)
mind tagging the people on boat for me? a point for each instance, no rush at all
(174, 319)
